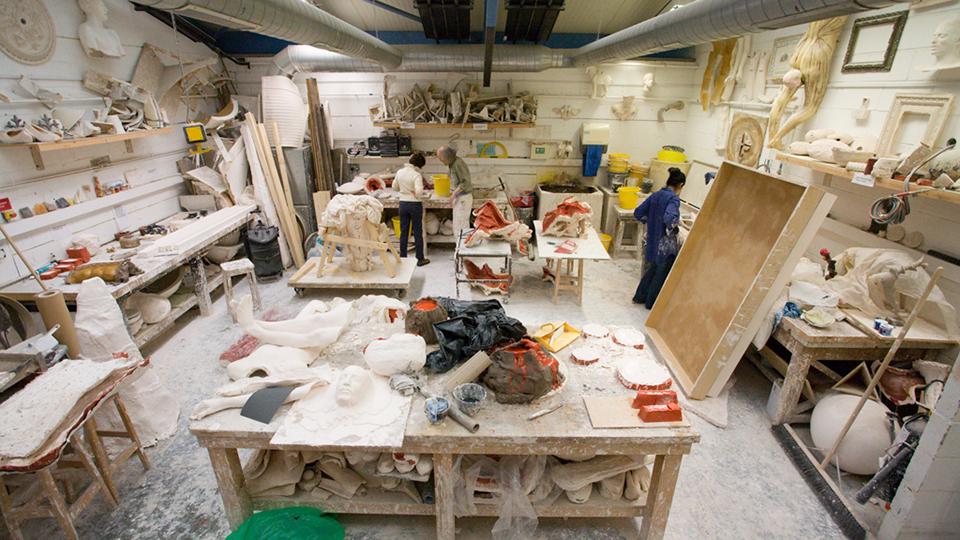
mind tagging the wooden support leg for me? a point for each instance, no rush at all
(443, 475)
(87, 461)
(617, 238)
(57, 505)
(229, 473)
(200, 287)
(6, 510)
(254, 290)
(580, 282)
(131, 429)
(228, 294)
(556, 279)
(638, 240)
(659, 498)
(792, 386)
(100, 456)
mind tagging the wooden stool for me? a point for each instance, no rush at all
(625, 219)
(22, 494)
(239, 267)
(107, 465)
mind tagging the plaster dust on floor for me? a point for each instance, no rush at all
(737, 482)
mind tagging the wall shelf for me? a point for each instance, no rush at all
(435, 125)
(474, 160)
(888, 184)
(37, 149)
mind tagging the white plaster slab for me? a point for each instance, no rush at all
(337, 275)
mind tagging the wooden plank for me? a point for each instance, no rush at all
(814, 165)
(70, 144)
(313, 123)
(922, 332)
(337, 275)
(751, 231)
(468, 125)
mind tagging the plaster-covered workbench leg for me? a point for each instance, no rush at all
(200, 287)
(443, 475)
(792, 385)
(229, 473)
(660, 497)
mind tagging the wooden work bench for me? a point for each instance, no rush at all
(560, 266)
(504, 430)
(26, 289)
(814, 347)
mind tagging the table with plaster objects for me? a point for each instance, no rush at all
(26, 289)
(815, 347)
(487, 249)
(565, 270)
(504, 430)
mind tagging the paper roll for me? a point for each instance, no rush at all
(53, 310)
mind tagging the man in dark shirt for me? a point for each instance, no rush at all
(661, 213)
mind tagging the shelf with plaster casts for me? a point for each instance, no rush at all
(37, 149)
(476, 126)
(596, 506)
(374, 501)
(888, 184)
(62, 215)
(474, 160)
(149, 332)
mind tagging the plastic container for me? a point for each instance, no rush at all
(396, 227)
(672, 154)
(629, 197)
(606, 240)
(469, 397)
(618, 163)
(441, 186)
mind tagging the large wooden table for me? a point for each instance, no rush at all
(504, 430)
(560, 266)
(811, 347)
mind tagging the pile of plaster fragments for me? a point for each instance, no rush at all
(351, 369)
(431, 104)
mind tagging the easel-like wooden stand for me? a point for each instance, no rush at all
(389, 257)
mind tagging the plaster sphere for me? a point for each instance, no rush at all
(868, 438)
(398, 353)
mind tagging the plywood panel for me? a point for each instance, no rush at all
(744, 237)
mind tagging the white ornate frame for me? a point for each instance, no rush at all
(935, 106)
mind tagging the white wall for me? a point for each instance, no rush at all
(351, 94)
(937, 220)
(66, 171)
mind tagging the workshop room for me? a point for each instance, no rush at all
(479, 269)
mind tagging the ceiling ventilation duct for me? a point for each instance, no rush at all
(531, 20)
(293, 20)
(445, 19)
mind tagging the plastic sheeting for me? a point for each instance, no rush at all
(472, 327)
(296, 523)
(101, 332)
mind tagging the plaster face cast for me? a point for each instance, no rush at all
(97, 40)
(352, 386)
(945, 46)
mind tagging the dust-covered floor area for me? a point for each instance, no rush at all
(737, 482)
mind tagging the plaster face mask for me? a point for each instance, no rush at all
(946, 41)
(352, 386)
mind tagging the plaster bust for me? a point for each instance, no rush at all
(945, 46)
(97, 40)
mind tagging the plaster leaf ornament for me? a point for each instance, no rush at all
(97, 40)
(811, 70)
(745, 139)
(945, 47)
(626, 109)
(15, 131)
(566, 112)
(28, 35)
(719, 64)
(647, 85)
(600, 81)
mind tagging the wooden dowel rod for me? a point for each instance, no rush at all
(26, 263)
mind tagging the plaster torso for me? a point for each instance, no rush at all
(97, 40)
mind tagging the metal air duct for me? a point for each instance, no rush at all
(447, 58)
(293, 20)
(705, 21)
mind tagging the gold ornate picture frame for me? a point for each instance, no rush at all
(894, 23)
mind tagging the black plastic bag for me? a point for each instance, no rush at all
(472, 327)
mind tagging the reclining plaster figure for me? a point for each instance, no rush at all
(315, 327)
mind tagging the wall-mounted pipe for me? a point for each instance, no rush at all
(298, 21)
(705, 21)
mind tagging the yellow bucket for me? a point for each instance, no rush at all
(441, 185)
(629, 197)
(396, 227)
(606, 240)
(618, 163)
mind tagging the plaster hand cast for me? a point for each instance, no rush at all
(214, 405)
(811, 70)
(945, 46)
(360, 409)
(291, 377)
(316, 326)
(97, 40)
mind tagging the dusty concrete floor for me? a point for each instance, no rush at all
(737, 483)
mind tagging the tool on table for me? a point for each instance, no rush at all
(437, 408)
(546, 411)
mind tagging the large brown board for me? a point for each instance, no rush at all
(744, 243)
